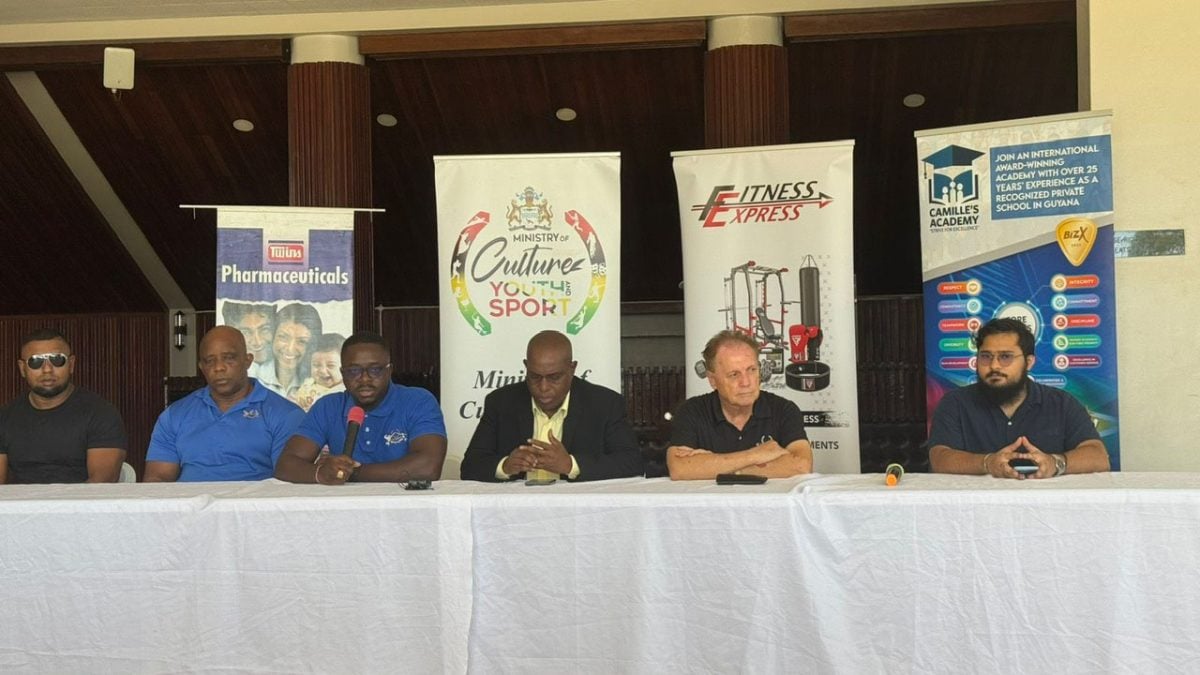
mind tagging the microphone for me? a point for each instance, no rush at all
(894, 473)
(354, 420)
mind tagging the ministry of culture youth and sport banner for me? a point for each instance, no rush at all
(1017, 221)
(285, 278)
(526, 243)
(768, 250)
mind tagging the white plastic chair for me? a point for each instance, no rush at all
(128, 475)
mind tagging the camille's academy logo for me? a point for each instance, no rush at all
(769, 203)
(952, 189)
(535, 267)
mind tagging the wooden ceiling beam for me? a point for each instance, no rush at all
(518, 40)
(974, 16)
(47, 57)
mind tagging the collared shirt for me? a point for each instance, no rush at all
(404, 413)
(242, 443)
(700, 423)
(543, 424)
(1052, 420)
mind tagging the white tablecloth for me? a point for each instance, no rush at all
(819, 574)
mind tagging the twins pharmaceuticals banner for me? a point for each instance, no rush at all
(768, 250)
(1017, 221)
(285, 278)
(526, 243)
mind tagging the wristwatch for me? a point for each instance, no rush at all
(1060, 464)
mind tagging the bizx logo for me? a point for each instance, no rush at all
(285, 252)
(771, 203)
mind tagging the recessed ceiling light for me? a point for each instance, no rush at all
(243, 125)
(386, 120)
(914, 100)
(566, 114)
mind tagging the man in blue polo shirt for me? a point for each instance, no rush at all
(403, 436)
(232, 429)
(1004, 415)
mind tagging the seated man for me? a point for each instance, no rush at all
(402, 438)
(232, 429)
(58, 433)
(979, 428)
(552, 425)
(736, 428)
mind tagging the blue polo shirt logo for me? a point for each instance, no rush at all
(250, 413)
(395, 437)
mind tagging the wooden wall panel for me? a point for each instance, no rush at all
(122, 357)
(745, 96)
(59, 254)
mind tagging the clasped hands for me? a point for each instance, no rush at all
(335, 469)
(996, 463)
(549, 455)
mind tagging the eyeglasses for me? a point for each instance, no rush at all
(1004, 359)
(56, 359)
(354, 372)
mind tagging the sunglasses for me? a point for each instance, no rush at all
(57, 359)
(352, 373)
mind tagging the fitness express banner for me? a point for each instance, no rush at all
(768, 250)
(526, 243)
(1017, 221)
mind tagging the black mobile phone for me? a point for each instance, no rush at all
(740, 479)
(1021, 465)
(417, 485)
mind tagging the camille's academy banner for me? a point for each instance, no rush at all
(768, 250)
(1017, 221)
(285, 278)
(526, 243)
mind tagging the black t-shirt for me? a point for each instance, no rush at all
(50, 446)
(700, 424)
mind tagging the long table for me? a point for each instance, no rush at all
(816, 574)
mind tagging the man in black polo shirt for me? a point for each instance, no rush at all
(736, 428)
(979, 428)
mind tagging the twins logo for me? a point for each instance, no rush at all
(395, 437)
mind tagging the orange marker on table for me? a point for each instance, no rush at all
(893, 475)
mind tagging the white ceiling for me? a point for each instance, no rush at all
(59, 11)
(25, 22)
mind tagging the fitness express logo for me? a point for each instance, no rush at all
(768, 203)
(531, 265)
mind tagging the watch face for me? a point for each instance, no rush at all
(1060, 464)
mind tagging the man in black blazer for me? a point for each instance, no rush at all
(517, 436)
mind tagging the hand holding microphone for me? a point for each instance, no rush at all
(343, 466)
(354, 420)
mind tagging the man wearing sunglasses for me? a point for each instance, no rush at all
(58, 433)
(232, 429)
(1003, 416)
(553, 425)
(401, 438)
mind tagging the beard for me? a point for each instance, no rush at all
(50, 392)
(1003, 394)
